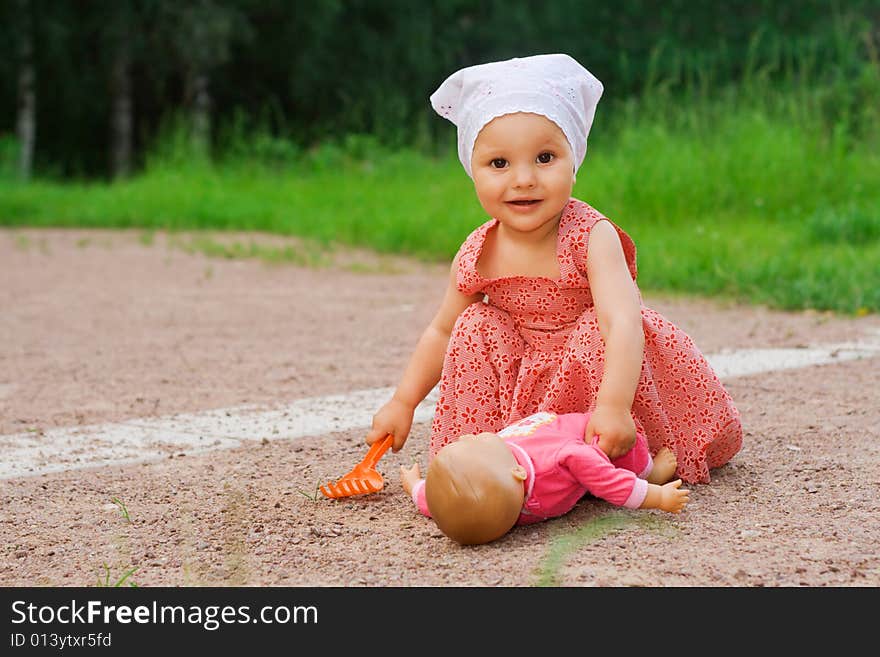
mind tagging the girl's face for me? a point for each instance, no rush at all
(523, 171)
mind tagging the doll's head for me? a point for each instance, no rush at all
(474, 489)
(554, 86)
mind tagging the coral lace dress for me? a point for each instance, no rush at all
(534, 345)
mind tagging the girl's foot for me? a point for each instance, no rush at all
(664, 467)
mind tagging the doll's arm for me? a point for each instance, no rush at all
(414, 485)
(591, 468)
(618, 310)
(423, 370)
(668, 497)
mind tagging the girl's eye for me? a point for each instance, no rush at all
(498, 163)
(545, 158)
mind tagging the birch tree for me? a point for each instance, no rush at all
(203, 32)
(26, 111)
(119, 34)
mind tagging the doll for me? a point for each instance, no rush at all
(478, 487)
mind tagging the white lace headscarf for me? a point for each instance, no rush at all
(555, 86)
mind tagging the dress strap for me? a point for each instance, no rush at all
(574, 227)
(467, 278)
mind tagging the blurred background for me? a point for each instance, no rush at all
(738, 142)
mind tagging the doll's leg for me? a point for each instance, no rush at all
(663, 466)
(638, 459)
(479, 374)
(656, 470)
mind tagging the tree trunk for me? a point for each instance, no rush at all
(26, 120)
(121, 119)
(201, 112)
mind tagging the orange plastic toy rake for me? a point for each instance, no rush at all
(364, 478)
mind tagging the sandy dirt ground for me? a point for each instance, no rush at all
(102, 327)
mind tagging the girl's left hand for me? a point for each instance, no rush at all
(616, 430)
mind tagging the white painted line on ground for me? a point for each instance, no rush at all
(146, 439)
(88, 446)
(744, 362)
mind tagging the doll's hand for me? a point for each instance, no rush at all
(395, 418)
(409, 477)
(615, 428)
(673, 498)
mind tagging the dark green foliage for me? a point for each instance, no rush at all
(316, 70)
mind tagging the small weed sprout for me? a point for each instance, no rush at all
(106, 581)
(314, 496)
(122, 508)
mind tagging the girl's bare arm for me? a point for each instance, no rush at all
(424, 367)
(618, 309)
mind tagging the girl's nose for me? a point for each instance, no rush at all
(524, 177)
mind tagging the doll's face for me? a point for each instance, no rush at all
(523, 171)
(474, 488)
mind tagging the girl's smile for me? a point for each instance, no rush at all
(524, 205)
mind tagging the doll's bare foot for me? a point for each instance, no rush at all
(664, 467)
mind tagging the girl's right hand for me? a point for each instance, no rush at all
(395, 418)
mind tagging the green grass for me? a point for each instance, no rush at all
(754, 193)
(549, 572)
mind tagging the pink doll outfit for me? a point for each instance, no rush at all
(534, 345)
(561, 467)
